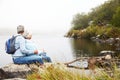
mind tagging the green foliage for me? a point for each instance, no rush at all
(113, 32)
(34, 76)
(107, 13)
(116, 18)
(59, 72)
(80, 21)
(103, 14)
(93, 31)
(56, 73)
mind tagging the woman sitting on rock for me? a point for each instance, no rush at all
(32, 46)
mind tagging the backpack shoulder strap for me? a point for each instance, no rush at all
(16, 36)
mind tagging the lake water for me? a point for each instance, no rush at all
(59, 48)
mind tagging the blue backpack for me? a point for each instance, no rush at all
(10, 45)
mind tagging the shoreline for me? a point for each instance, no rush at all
(20, 72)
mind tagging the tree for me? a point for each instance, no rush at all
(107, 13)
(116, 18)
(80, 21)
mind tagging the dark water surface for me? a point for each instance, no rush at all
(83, 47)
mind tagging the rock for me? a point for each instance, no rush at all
(2, 74)
(107, 52)
(110, 41)
(14, 79)
(108, 57)
(93, 38)
(15, 71)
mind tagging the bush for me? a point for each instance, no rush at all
(59, 72)
(93, 31)
(56, 73)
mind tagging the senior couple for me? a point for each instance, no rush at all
(26, 51)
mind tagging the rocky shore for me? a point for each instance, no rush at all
(15, 71)
(110, 41)
(102, 39)
(20, 72)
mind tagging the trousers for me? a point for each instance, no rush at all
(28, 59)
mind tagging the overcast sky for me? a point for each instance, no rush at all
(45, 16)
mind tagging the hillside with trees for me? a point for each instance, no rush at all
(103, 19)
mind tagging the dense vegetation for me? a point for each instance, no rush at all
(106, 15)
(60, 72)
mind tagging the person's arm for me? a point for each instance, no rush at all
(23, 48)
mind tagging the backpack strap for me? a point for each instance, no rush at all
(15, 40)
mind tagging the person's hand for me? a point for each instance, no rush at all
(36, 52)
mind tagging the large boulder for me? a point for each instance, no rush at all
(2, 74)
(15, 71)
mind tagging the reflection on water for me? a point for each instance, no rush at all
(83, 47)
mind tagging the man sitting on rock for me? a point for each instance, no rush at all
(22, 55)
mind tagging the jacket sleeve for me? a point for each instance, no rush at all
(23, 48)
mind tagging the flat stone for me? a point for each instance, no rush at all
(14, 71)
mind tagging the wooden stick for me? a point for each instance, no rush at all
(74, 61)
